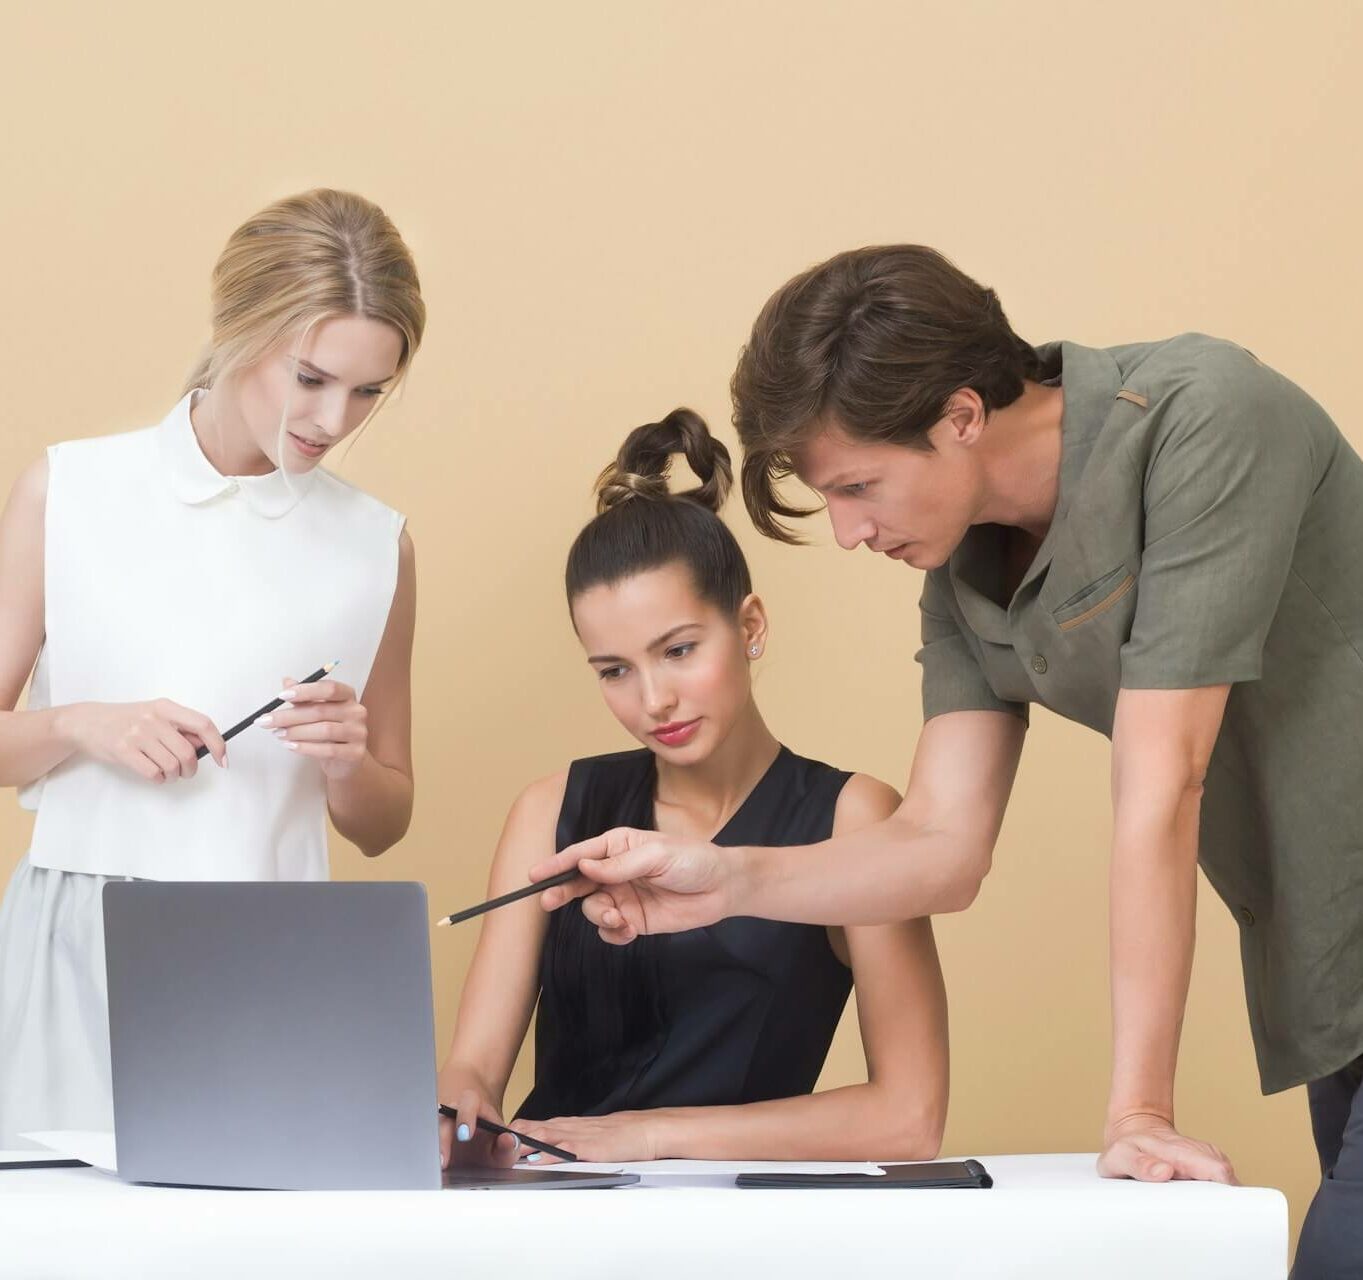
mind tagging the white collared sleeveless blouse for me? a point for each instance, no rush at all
(166, 579)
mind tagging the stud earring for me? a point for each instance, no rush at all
(753, 651)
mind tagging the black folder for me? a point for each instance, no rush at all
(938, 1173)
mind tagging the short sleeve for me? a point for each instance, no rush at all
(952, 678)
(1225, 490)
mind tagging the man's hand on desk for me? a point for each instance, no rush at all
(1149, 1149)
(615, 1139)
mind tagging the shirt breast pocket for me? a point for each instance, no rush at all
(1113, 593)
(1092, 625)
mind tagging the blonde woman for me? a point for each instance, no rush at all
(167, 580)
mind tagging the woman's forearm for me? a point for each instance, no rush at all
(33, 743)
(859, 1122)
(494, 1015)
(371, 808)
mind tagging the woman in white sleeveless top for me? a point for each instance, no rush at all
(166, 581)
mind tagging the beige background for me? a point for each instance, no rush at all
(600, 197)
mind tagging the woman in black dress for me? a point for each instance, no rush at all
(704, 1044)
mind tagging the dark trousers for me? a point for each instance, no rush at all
(1331, 1245)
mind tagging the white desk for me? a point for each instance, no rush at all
(1047, 1218)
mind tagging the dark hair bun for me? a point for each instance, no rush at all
(641, 468)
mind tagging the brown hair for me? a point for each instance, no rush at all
(875, 341)
(641, 525)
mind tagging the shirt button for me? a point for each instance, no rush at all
(232, 486)
(1039, 665)
(1245, 915)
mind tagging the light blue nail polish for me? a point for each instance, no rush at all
(462, 1133)
(532, 1157)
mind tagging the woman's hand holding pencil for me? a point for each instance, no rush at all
(323, 719)
(461, 1140)
(158, 740)
(161, 740)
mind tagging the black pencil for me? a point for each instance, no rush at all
(267, 708)
(563, 877)
(491, 1126)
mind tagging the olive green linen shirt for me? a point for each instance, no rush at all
(1209, 530)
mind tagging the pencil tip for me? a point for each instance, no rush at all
(440, 923)
(333, 664)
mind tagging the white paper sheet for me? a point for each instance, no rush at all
(90, 1145)
(732, 1167)
(714, 1172)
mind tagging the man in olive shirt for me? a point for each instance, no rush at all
(1208, 532)
(1161, 541)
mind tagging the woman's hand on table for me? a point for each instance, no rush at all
(615, 1139)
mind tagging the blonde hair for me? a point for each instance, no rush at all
(300, 261)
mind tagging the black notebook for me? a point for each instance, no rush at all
(939, 1173)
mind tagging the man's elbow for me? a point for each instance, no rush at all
(963, 884)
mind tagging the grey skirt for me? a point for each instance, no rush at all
(54, 1006)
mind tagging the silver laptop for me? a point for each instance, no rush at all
(281, 1036)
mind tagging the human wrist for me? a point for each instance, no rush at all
(1140, 1093)
(748, 876)
(357, 776)
(67, 724)
(1128, 1117)
(457, 1077)
(665, 1130)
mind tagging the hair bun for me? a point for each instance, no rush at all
(615, 486)
(641, 468)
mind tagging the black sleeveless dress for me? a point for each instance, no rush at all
(741, 1011)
